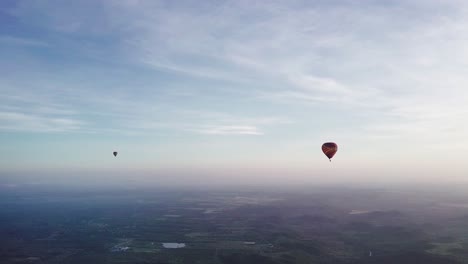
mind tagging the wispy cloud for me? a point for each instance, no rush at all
(211, 123)
(14, 121)
(320, 53)
(229, 130)
(17, 41)
(425, 121)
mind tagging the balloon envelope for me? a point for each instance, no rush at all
(115, 153)
(329, 149)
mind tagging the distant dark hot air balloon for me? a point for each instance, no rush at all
(329, 149)
(115, 153)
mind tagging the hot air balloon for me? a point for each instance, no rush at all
(115, 153)
(329, 149)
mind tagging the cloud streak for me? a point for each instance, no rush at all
(16, 41)
(229, 130)
(14, 121)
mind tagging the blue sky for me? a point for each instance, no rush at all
(236, 86)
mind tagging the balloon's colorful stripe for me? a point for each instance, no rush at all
(329, 149)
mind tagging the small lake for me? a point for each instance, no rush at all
(355, 212)
(173, 245)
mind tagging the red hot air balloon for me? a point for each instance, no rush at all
(329, 149)
(115, 153)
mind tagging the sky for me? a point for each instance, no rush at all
(234, 91)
